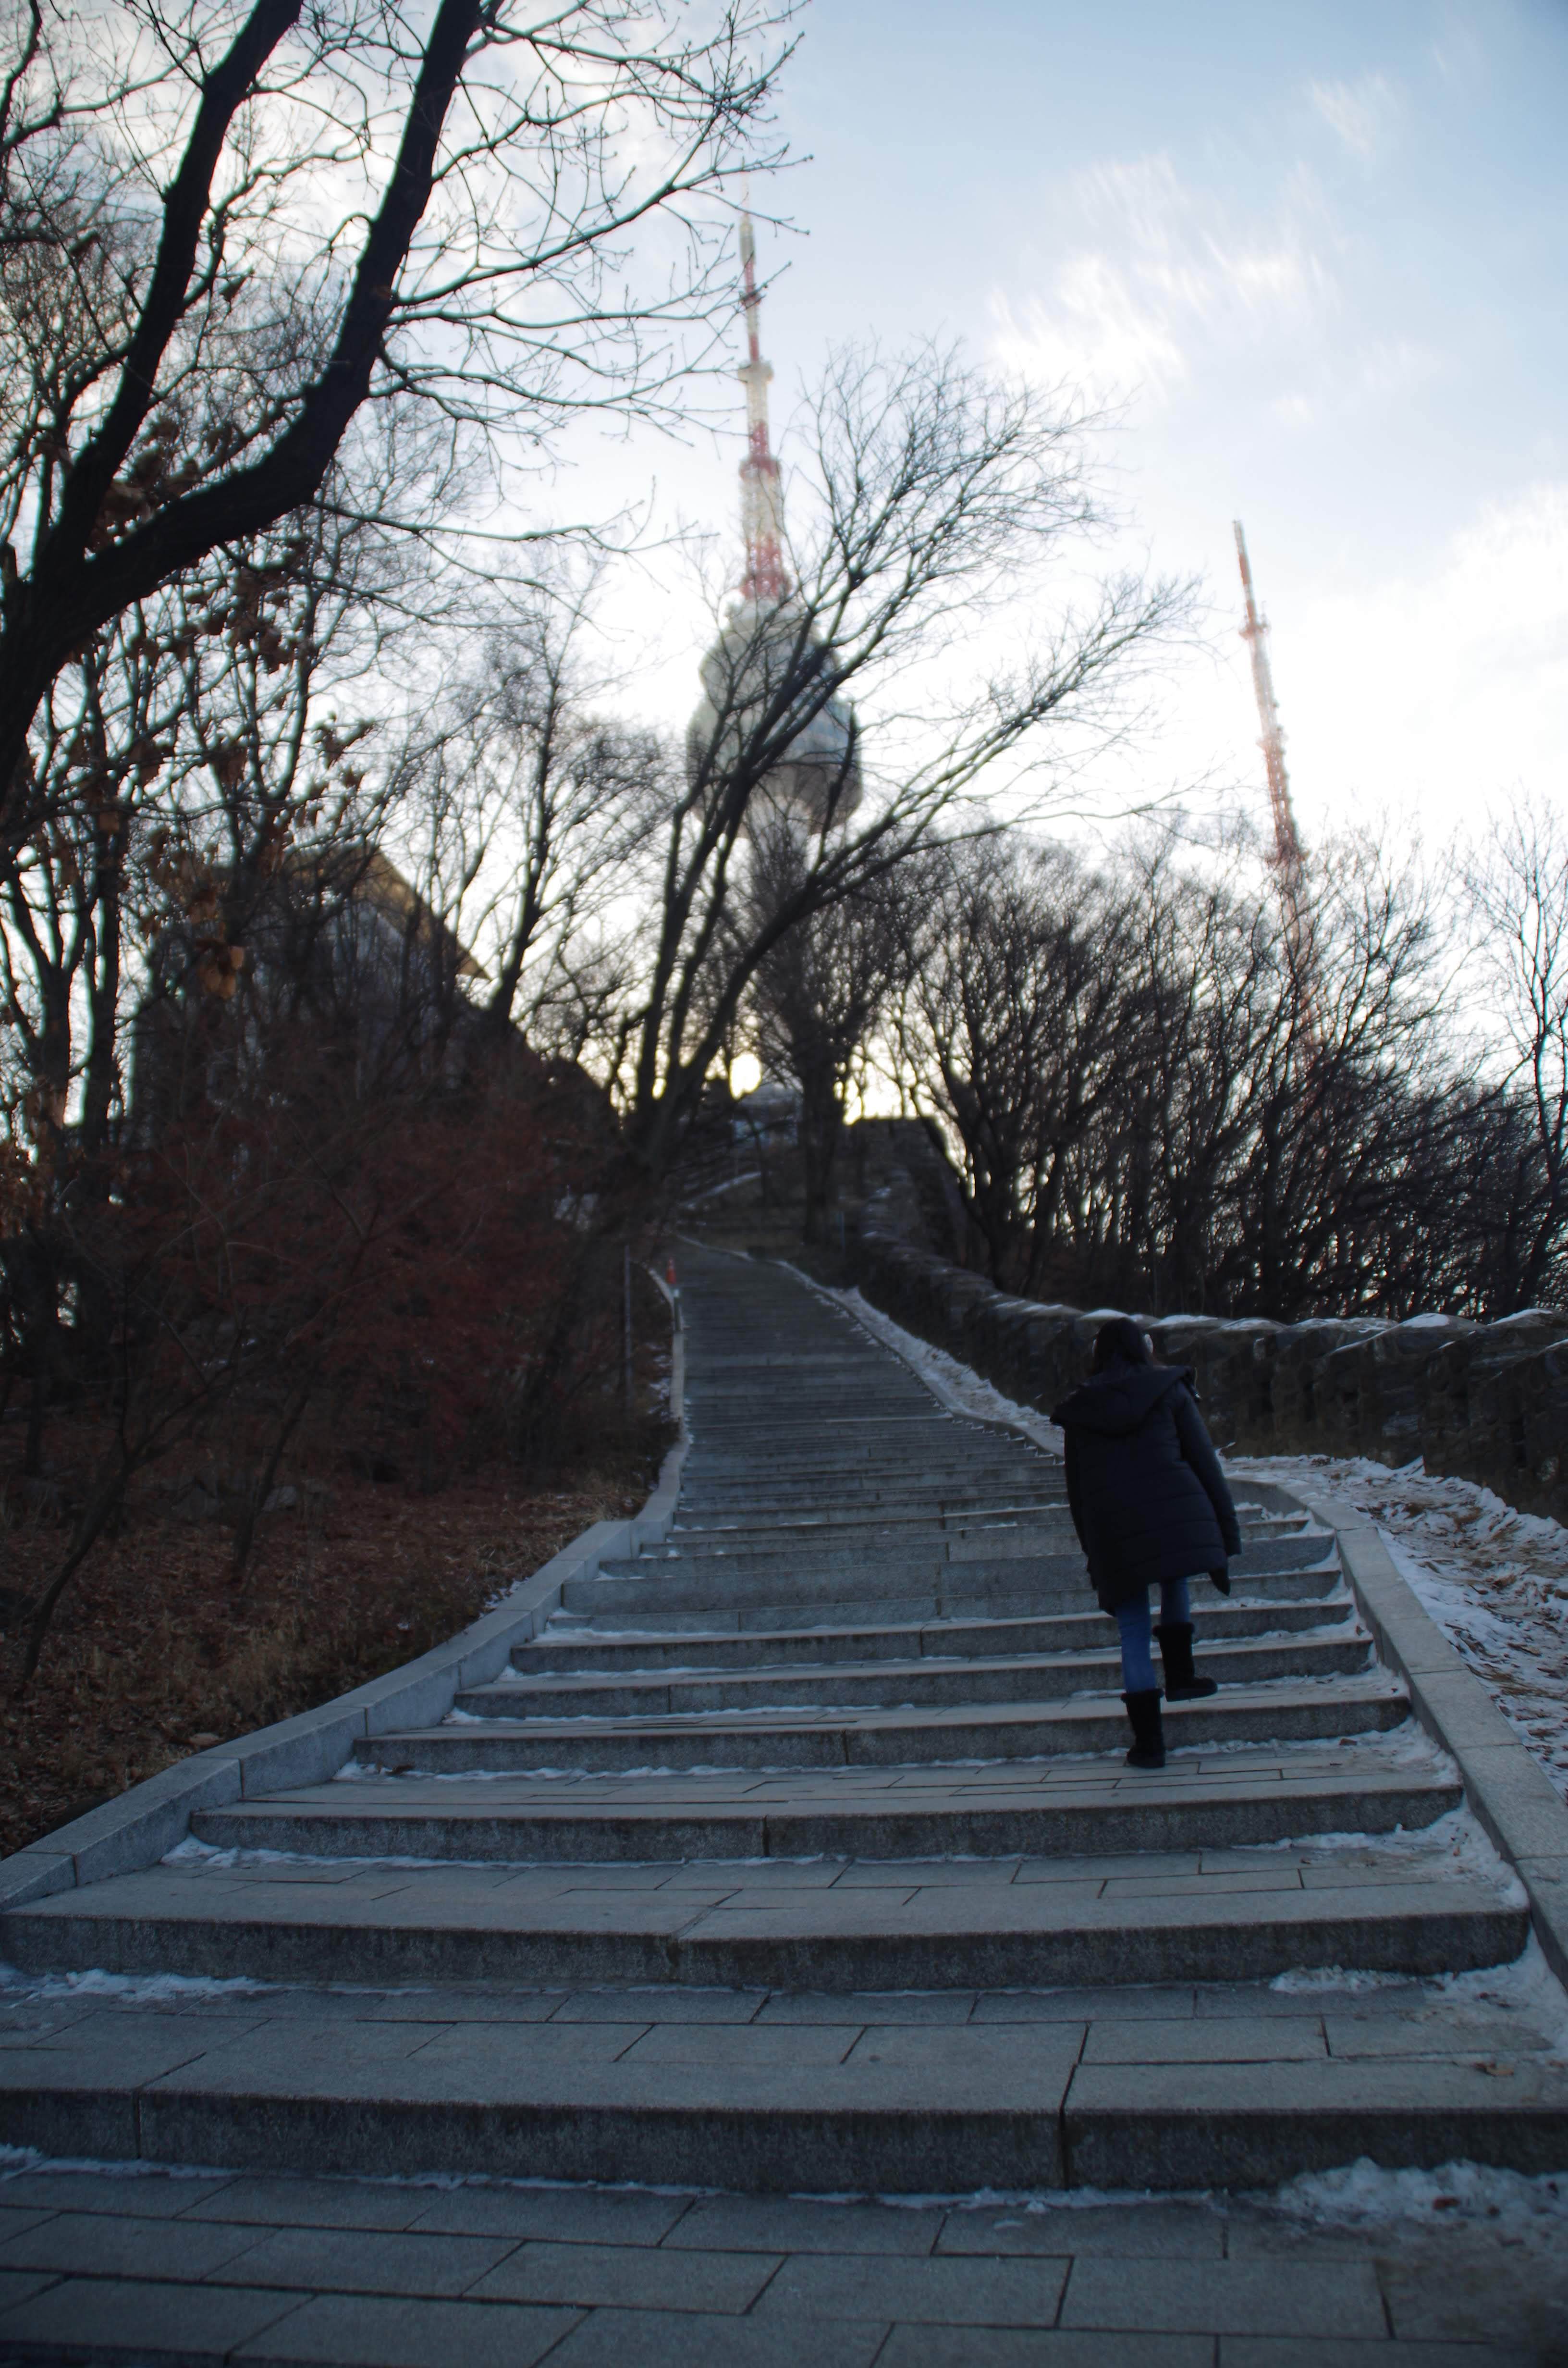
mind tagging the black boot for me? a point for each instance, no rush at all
(1182, 1680)
(1148, 1735)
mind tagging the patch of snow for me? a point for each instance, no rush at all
(1362, 2195)
(208, 1855)
(1493, 1579)
(1307, 1980)
(137, 1988)
(1528, 1985)
(1458, 1840)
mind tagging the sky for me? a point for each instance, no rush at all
(1312, 255)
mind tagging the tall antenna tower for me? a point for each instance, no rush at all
(761, 511)
(1289, 869)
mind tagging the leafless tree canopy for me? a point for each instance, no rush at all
(226, 231)
(1151, 1107)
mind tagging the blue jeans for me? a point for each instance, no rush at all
(1132, 1619)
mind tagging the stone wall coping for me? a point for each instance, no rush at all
(1509, 1790)
(150, 1819)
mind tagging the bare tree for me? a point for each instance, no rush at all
(1010, 1037)
(350, 211)
(1518, 893)
(1147, 1102)
(529, 812)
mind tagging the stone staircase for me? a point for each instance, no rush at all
(800, 1854)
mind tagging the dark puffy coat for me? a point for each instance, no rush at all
(1148, 1498)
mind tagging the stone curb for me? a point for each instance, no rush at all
(138, 1829)
(1510, 1794)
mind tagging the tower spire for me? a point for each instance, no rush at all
(764, 581)
(1289, 869)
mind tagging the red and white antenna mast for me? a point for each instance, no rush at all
(1289, 870)
(764, 581)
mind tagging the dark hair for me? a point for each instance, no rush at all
(1118, 1342)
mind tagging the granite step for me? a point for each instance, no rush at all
(1045, 1582)
(571, 1644)
(858, 2093)
(1096, 1807)
(956, 1600)
(827, 1925)
(921, 1683)
(1292, 1711)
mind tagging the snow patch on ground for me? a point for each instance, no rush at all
(1361, 2195)
(1495, 1580)
(1457, 1840)
(133, 1988)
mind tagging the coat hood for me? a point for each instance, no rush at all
(1118, 1402)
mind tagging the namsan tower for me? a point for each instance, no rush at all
(767, 651)
(764, 584)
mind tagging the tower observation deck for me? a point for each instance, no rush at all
(769, 651)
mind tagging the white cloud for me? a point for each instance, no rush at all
(1440, 693)
(1364, 114)
(1394, 366)
(1158, 275)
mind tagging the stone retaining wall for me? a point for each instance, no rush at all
(1486, 1401)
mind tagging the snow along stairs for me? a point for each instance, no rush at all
(799, 1852)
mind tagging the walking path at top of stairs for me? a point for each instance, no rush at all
(800, 1854)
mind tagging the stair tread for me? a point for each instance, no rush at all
(630, 2085)
(1303, 1771)
(554, 1682)
(741, 1901)
(1233, 1703)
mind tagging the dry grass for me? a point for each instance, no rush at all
(155, 1654)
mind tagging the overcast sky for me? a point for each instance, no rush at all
(1316, 252)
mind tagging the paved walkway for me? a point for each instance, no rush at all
(799, 1855)
(295, 2270)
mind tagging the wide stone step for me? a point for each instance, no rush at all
(955, 1599)
(777, 1558)
(981, 1732)
(910, 1548)
(891, 1926)
(853, 1814)
(668, 1584)
(524, 1694)
(770, 1501)
(852, 2093)
(566, 1645)
(784, 1529)
(790, 1529)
